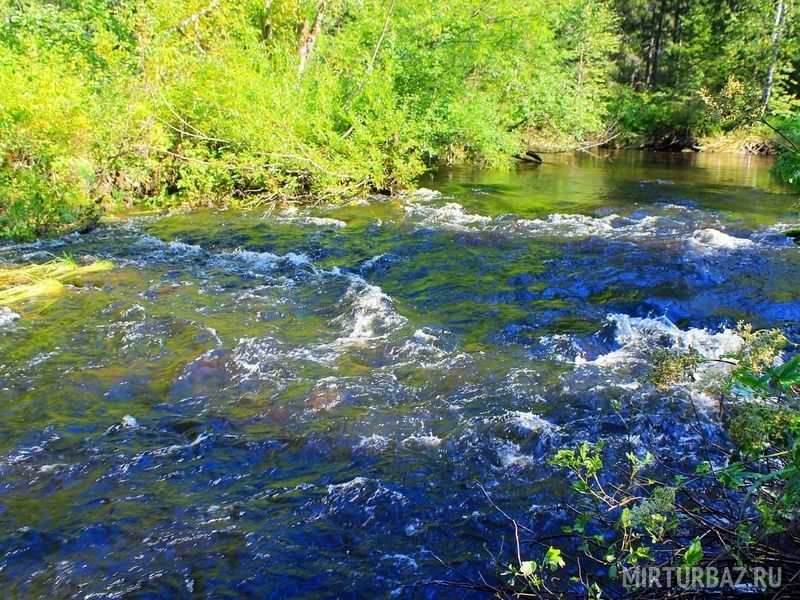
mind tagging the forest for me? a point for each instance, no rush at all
(112, 104)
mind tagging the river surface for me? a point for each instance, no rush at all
(304, 402)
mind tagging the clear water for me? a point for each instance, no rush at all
(303, 403)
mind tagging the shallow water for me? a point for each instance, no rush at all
(305, 402)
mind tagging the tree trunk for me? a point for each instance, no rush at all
(648, 69)
(777, 30)
(659, 42)
(309, 38)
(265, 20)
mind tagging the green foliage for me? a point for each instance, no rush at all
(160, 103)
(693, 554)
(671, 367)
(788, 166)
(529, 576)
(772, 382)
(659, 119)
(674, 53)
(240, 102)
(759, 349)
(653, 512)
(757, 428)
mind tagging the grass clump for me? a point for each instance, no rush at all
(43, 280)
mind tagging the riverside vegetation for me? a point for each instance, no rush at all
(110, 104)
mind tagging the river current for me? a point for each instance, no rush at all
(304, 402)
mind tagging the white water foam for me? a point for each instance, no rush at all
(356, 482)
(712, 240)
(267, 261)
(325, 222)
(371, 263)
(422, 351)
(177, 447)
(162, 249)
(363, 493)
(638, 335)
(532, 422)
(371, 313)
(450, 216)
(425, 194)
(561, 347)
(510, 455)
(374, 442)
(577, 226)
(7, 317)
(425, 440)
(261, 360)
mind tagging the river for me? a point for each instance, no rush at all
(304, 402)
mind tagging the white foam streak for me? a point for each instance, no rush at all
(532, 422)
(510, 455)
(450, 216)
(267, 261)
(371, 313)
(577, 226)
(325, 222)
(166, 249)
(638, 335)
(713, 240)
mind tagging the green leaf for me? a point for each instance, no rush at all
(625, 518)
(553, 558)
(703, 468)
(693, 554)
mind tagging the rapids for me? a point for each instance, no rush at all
(303, 402)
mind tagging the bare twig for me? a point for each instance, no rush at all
(195, 18)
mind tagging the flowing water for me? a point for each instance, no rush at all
(304, 403)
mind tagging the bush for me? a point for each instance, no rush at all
(207, 102)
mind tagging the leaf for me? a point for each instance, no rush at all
(528, 567)
(790, 367)
(748, 380)
(703, 468)
(788, 373)
(625, 518)
(553, 558)
(581, 521)
(693, 554)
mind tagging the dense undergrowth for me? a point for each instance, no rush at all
(109, 104)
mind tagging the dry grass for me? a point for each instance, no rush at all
(44, 280)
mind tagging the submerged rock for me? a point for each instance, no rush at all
(794, 234)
